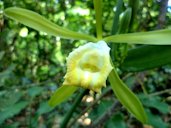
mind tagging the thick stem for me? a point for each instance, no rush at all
(116, 17)
(73, 108)
(107, 115)
(90, 107)
(98, 15)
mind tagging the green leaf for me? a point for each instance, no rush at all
(12, 110)
(125, 20)
(147, 57)
(156, 121)
(127, 97)
(117, 121)
(2, 53)
(35, 91)
(44, 108)
(159, 37)
(6, 74)
(36, 21)
(13, 125)
(155, 102)
(61, 94)
(9, 98)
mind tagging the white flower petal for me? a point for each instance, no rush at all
(89, 66)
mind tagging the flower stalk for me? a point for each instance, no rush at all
(98, 16)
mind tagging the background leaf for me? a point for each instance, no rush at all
(117, 121)
(147, 57)
(9, 98)
(156, 121)
(155, 102)
(12, 110)
(33, 91)
(44, 108)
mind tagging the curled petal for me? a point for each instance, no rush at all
(89, 66)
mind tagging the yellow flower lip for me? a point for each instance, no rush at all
(88, 66)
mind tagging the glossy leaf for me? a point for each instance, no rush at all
(147, 57)
(159, 37)
(36, 21)
(127, 97)
(125, 20)
(61, 94)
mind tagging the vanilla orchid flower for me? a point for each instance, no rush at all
(88, 66)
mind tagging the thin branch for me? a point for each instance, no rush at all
(73, 108)
(160, 92)
(89, 107)
(140, 80)
(104, 117)
(162, 14)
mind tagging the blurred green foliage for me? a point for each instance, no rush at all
(32, 66)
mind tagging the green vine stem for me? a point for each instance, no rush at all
(116, 17)
(98, 15)
(73, 108)
(115, 27)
